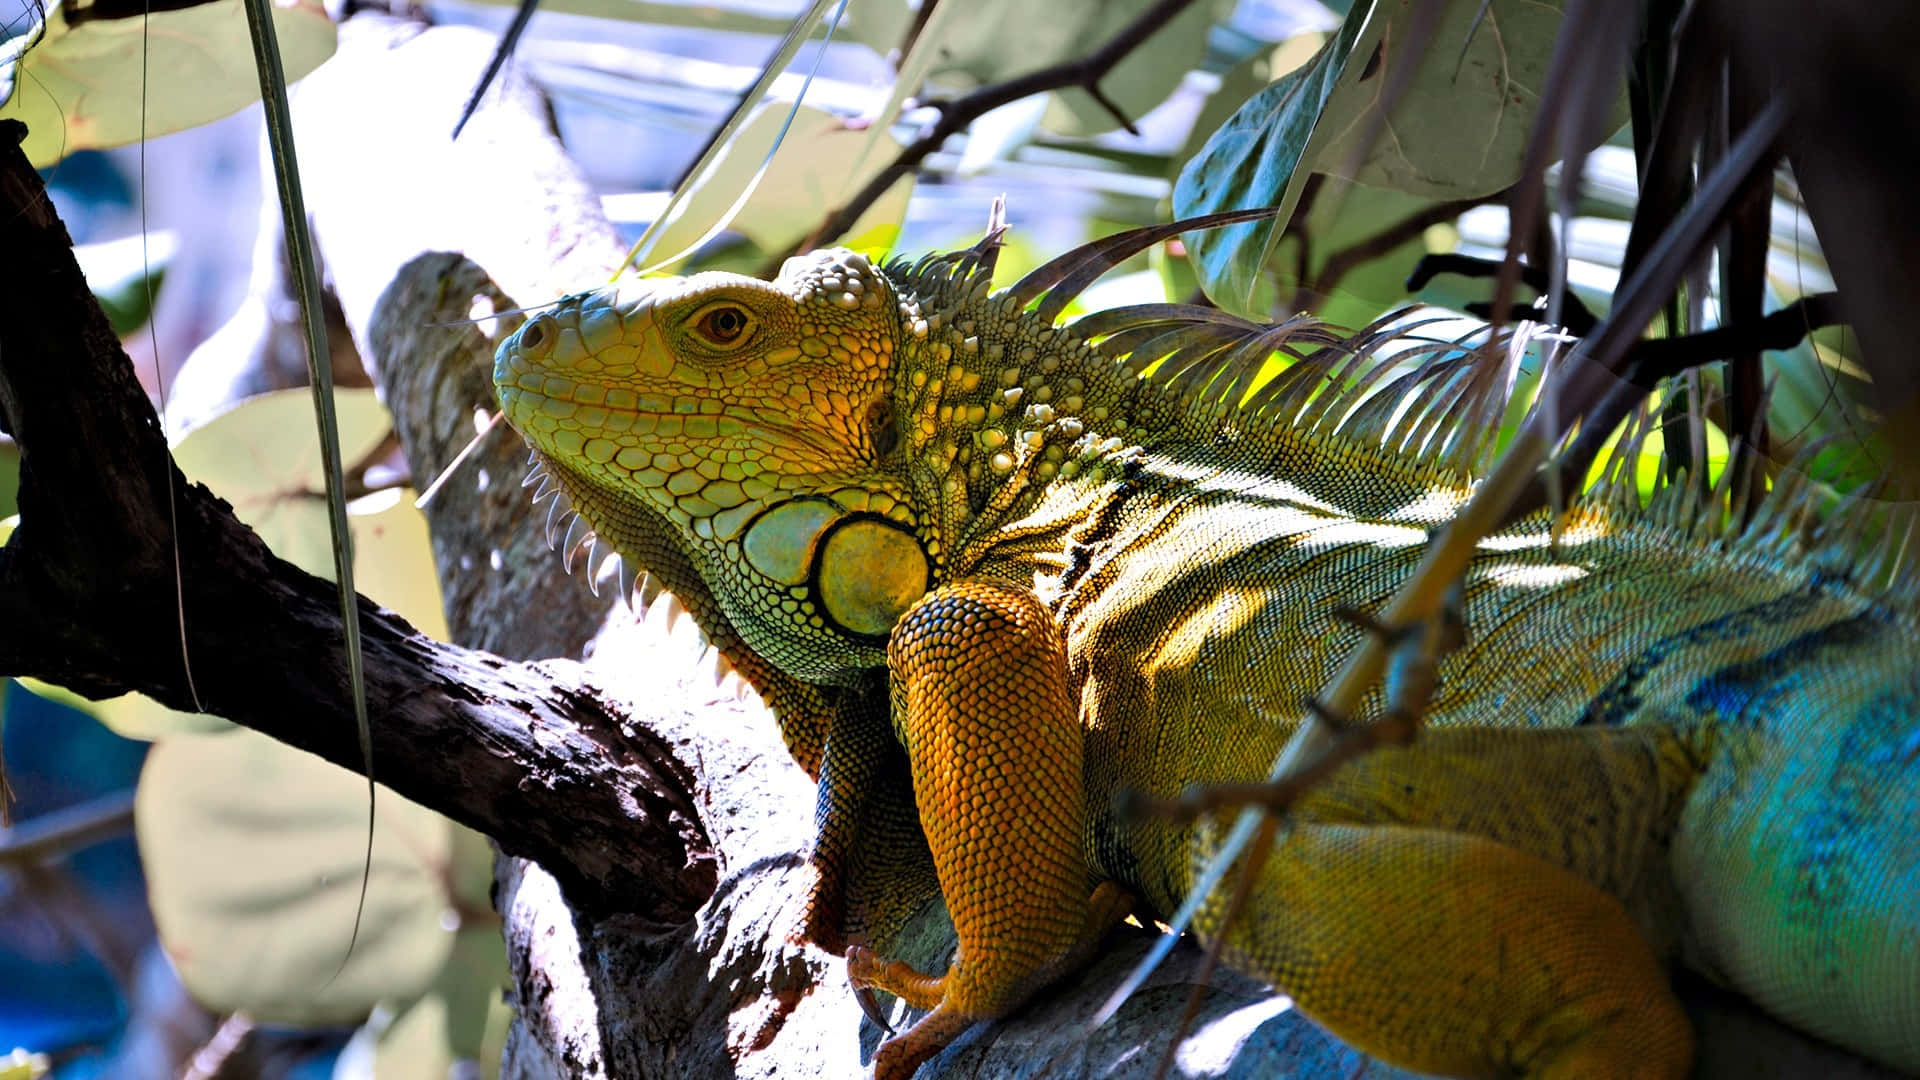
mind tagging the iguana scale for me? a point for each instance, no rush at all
(989, 571)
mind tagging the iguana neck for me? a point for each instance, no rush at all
(1008, 421)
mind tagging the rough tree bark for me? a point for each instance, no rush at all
(651, 826)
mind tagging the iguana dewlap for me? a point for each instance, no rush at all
(989, 571)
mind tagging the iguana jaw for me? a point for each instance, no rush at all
(740, 416)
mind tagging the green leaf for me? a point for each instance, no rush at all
(263, 457)
(1249, 77)
(463, 1015)
(1461, 126)
(1145, 77)
(1818, 391)
(423, 1042)
(699, 178)
(881, 24)
(126, 274)
(1254, 159)
(252, 852)
(812, 170)
(1000, 39)
(1340, 220)
(80, 87)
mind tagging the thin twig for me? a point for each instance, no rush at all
(83, 917)
(912, 37)
(68, 829)
(1350, 744)
(1575, 316)
(1347, 259)
(957, 114)
(211, 1059)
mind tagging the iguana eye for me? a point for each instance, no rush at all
(723, 324)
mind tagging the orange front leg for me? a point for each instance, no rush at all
(984, 705)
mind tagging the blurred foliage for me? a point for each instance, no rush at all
(57, 992)
(21, 1065)
(977, 49)
(81, 86)
(254, 882)
(126, 276)
(9, 482)
(262, 456)
(819, 163)
(253, 850)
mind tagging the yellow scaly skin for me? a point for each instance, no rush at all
(950, 543)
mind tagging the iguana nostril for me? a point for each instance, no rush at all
(536, 334)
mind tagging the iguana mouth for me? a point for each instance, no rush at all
(530, 411)
(545, 377)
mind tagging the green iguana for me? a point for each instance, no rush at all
(989, 571)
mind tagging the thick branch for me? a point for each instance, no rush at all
(87, 600)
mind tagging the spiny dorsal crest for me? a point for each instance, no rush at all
(1434, 403)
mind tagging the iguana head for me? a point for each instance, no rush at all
(749, 426)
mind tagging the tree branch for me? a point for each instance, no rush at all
(955, 115)
(1343, 262)
(87, 601)
(1654, 359)
(66, 830)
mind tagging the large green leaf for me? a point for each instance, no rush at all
(253, 852)
(458, 1026)
(813, 169)
(1147, 75)
(1339, 221)
(1460, 128)
(1256, 158)
(1001, 39)
(263, 457)
(80, 87)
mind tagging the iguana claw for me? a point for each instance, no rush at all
(871, 1006)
